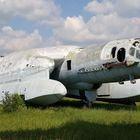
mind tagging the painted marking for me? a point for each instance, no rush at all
(105, 66)
(92, 69)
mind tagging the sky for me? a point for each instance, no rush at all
(26, 24)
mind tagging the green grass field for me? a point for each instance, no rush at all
(67, 120)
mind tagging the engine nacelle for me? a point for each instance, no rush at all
(40, 91)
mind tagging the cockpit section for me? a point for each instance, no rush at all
(114, 51)
(135, 50)
(118, 53)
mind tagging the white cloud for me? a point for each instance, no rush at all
(74, 29)
(99, 7)
(125, 8)
(11, 40)
(99, 29)
(111, 20)
(42, 11)
(113, 26)
(74, 23)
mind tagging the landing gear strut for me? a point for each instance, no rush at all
(89, 97)
(87, 104)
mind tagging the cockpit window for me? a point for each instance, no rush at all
(138, 54)
(136, 44)
(121, 54)
(113, 51)
(132, 51)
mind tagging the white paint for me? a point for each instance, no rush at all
(27, 73)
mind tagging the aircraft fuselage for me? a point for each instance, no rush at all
(97, 65)
(46, 75)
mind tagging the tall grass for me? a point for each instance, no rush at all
(67, 120)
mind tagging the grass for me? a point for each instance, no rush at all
(67, 120)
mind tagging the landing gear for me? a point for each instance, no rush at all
(89, 97)
(132, 79)
(121, 82)
(87, 104)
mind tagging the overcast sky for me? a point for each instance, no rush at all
(42, 23)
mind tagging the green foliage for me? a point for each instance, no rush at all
(12, 102)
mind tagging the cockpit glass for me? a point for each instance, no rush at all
(138, 54)
(136, 44)
(132, 51)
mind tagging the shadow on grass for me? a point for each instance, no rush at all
(97, 105)
(79, 130)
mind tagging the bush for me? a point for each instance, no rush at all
(12, 102)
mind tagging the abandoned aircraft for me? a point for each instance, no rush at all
(44, 76)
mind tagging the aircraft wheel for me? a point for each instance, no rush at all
(87, 104)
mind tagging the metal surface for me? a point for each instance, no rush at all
(50, 73)
(28, 74)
